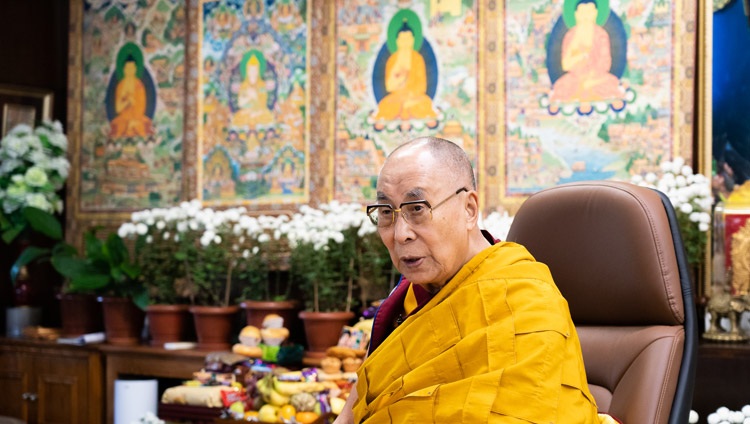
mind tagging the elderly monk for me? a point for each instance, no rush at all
(476, 331)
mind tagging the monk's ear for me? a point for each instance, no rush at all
(472, 208)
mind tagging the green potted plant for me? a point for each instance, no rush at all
(272, 294)
(207, 256)
(155, 244)
(33, 170)
(333, 251)
(105, 268)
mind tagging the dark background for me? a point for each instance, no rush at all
(34, 52)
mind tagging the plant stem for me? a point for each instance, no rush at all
(316, 306)
(350, 287)
(228, 285)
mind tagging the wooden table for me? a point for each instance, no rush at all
(146, 361)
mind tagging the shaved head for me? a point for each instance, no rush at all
(448, 154)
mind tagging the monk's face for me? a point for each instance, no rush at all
(429, 254)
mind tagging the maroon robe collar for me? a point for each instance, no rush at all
(392, 308)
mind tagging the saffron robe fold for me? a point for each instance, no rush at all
(495, 344)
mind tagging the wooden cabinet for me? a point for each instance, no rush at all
(44, 382)
(722, 377)
(146, 361)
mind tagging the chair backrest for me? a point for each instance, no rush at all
(615, 252)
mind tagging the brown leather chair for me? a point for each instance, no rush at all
(616, 254)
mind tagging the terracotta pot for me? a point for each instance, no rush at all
(80, 314)
(167, 323)
(323, 329)
(214, 326)
(123, 321)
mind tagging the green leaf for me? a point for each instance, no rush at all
(141, 299)
(70, 266)
(115, 250)
(43, 222)
(4, 222)
(131, 270)
(89, 282)
(117, 274)
(29, 255)
(93, 246)
(10, 234)
(63, 249)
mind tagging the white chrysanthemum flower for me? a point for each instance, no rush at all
(141, 229)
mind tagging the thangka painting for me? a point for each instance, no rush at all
(253, 129)
(132, 104)
(595, 89)
(403, 69)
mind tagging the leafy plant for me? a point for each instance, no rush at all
(196, 253)
(47, 224)
(105, 269)
(273, 257)
(337, 255)
(33, 168)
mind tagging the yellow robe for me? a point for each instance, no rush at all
(130, 104)
(496, 344)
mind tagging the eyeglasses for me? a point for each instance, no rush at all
(416, 212)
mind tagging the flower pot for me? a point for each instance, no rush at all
(167, 323)
(323, 330)
(80, 314)
(123, 321)
(214, 326)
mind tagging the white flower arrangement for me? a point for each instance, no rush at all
(202, 248)
(690, 195)
(336, 250)
(327, 223)
(724, 415)
(33, 168)
(497, 223)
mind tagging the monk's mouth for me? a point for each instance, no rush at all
(412, 262)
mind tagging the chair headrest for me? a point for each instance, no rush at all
(610, 250)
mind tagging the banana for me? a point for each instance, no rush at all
(290, 388)
(263, 386)
(277, 399)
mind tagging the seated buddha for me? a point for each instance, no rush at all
(130, 106)
(406, 83)
(586, 60)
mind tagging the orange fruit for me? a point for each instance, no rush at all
(287, 412)
(306, 417)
